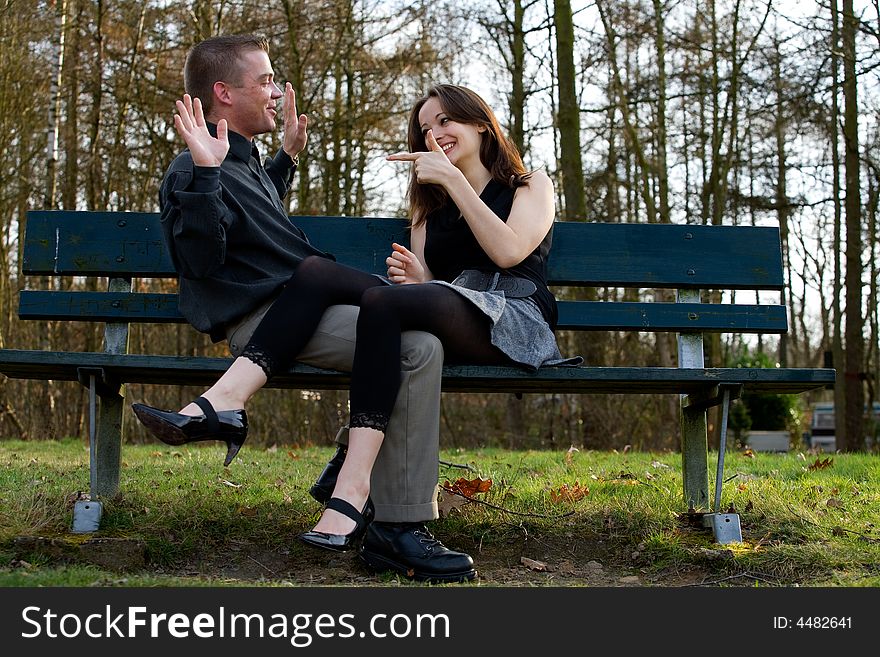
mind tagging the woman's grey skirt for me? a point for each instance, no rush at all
(518, 327)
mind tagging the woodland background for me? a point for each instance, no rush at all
(735, 112)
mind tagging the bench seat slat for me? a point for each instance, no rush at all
(578, 315)
(180, 370)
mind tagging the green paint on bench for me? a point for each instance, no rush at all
(127, 245)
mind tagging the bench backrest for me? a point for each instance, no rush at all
(127, 245)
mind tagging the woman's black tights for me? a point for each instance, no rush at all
(385, 313)
(288, 325)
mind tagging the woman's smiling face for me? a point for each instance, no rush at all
(460, 141)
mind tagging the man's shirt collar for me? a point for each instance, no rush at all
(239, 146)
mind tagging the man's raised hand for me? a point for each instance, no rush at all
(206, 150)
(295, 126)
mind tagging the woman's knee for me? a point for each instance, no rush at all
(313, 267)
(378, 301)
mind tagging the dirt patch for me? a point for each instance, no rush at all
(515, 562)
(113, 554)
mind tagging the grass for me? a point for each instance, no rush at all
(579, 518)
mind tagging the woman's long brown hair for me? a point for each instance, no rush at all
(497, 152)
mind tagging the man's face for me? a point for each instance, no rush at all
(254, 96)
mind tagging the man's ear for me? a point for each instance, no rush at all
(222, 93)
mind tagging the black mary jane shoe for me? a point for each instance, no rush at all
(322, 489)
(342, 542)
(178, 429)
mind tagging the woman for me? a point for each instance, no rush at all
(475, 278)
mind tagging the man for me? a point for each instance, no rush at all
(234, 247)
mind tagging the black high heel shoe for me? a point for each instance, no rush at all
(178, 429)
(342, 542)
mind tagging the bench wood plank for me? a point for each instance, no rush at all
(578, 315)
(583, 254)
(200, 370)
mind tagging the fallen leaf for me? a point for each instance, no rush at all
(834, 502)
(741, 487)
(534, 565)
(821, 464)
(448, 502)
(749, 453)
(658, 464)
(248, 511)
(838, 531)
(229, 483)
(468, 487)
(749, 506)
(566, 567)
(569, 493)
(569, 455)
(293, 455)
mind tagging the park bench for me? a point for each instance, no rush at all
(123, 246)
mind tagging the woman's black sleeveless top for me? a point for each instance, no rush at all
(450, 248)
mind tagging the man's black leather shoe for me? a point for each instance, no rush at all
(411, 550)
(322, 489)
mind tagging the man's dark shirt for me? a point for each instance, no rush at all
(228, 233)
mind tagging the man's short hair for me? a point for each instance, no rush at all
(217, 59)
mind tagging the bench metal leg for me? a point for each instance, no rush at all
(695, 458)
(725, 526)
(105, 444)
(109, 446)
(87, 512)
(694, 428)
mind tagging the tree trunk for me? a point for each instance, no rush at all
(782, 195)
(837, 353)
(97, 191)
(569, 115)
(853, 366)
(661, 167)
(517, 101)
